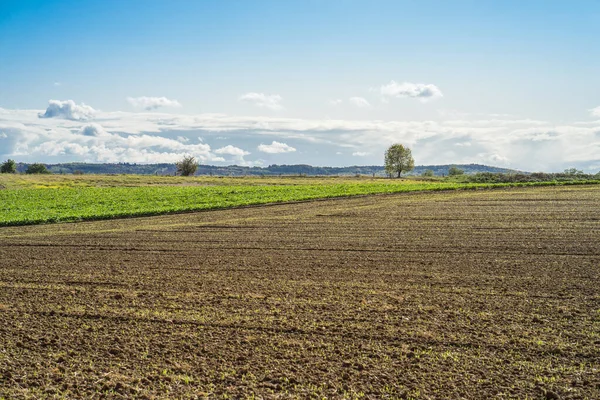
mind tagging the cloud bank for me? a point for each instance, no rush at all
(525, 144)
(152, 103)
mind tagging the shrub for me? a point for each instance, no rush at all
(454, 170)
(187, 166)
(37, 168)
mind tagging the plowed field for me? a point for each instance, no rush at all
(446, 295)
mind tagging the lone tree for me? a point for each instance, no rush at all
(8, 167)
(398, 159)
(187, 166)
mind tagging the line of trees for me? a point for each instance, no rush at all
(398, 161)
(10, 167)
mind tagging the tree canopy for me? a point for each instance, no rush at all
(8, 167)
(398, 159)
(454, 170)
(37, 168)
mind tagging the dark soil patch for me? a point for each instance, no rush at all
(483, 294)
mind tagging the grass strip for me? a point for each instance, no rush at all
(37, 206)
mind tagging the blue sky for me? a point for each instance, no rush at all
(508, 83)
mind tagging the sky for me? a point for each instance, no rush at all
(323, 82)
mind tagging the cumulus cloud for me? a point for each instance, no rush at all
(152, 103)
(93, 130)
(421, 91)
(359, 102)
(275, 148)
(232, 151)
(595, 112)
(272, 102)
(68, 110)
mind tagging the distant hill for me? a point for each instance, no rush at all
(236, 170)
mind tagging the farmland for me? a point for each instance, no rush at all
(445, 295)
(42, 199)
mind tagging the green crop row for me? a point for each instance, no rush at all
(35, 206)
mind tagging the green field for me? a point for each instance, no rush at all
(44, 199)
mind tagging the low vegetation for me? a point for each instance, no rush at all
(567, 176)
(33, 206)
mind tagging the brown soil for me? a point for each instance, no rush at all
(477, 295)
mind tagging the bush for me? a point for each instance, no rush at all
(427, 172)
(37, 168)
(187, 166)
(573, 171)
(454, 170)
(8, 167)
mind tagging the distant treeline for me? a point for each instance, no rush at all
(271, 170)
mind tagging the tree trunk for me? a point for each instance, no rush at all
(399, 172)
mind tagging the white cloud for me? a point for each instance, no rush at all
(335, 102)
(272, 102)
(463, 144)
(57, 83)
(595, 112)
(93, 130)
(183, 139)
(3, 135)
(360, 154)
(421, 91)
(152, 103)
(232, 151)
(275, 148)
(68, 110)
(359, 102)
